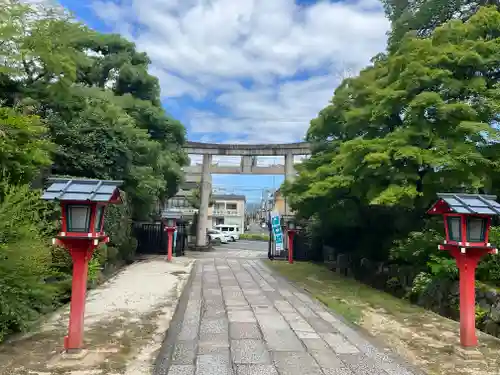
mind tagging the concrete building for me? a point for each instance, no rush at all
(228, 209)
(180, 202)
(279, 204)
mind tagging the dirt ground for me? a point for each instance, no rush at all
(125, 323)
(427, 340)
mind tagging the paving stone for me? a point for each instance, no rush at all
(212, 293)
(214, 301)
(285, 293)
(233, 294)
(284, 307)
(306, 335)
(253, 291)
(238, 331)
(305, 311)
(181, 370)
(256, 370)
(239, 308)
(327, 359)
(394, 368)
(273, 321)
(304, 298)
(266, 308)
(188, 332)
(212, 312)
(283, 340)
(320, 325)
(292, 363)
(213, 364)
(315, 344)
(184, 352)
(249, 351)
(191, 318)
(241, 316)
(208, 348)
(337, 371)
(209, 326)
(258, 300)
(299, 324)
(273, 294)
(339, 343)
(220, 340)
(361, 364)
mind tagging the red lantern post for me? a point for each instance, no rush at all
(83, 204)
(467, 219)
(170, 229)
(170, 218)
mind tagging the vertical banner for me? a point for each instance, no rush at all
(174, 244)
(278, 235)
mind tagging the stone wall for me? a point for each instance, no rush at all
(440, 296)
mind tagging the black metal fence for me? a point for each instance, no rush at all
(152, 238)
(301, 248)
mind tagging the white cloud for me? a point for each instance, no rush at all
(268, 66)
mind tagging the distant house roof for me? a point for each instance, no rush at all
(466, 204)
(235, 197)
(82, 190)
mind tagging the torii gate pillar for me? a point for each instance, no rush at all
(205, 188)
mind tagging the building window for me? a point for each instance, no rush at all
(231, 206)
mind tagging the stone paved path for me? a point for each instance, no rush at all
(242, 320)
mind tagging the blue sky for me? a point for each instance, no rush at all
(245, 71)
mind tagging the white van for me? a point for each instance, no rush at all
(231, 231)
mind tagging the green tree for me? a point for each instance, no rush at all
(422, 17)
(24, 149)
(64, 71)
(418, 121)
(194, 198)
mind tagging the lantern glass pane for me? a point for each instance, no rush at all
(291, 225)
(454, 231)
(98, 219)
(78, 218)
(476, 229)
(170, 223)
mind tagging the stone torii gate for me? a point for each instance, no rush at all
(248, 153)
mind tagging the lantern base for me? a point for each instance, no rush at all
(469, 353)
(74, 354)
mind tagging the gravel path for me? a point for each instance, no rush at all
(242, 320)
(125, 323)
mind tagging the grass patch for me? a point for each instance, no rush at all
(345, 296)
(254, 236)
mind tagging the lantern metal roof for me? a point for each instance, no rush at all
(466, 204)
(62, 189)
(171, 214)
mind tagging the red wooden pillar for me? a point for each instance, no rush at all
(467, 263)
(170, 234)
(81, 254)
(467, 269)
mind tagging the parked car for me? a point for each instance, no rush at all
(231, 231)
(216, 236)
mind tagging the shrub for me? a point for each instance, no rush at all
(488, 269)
(25, 260)
(254, 236)
(118, 226)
